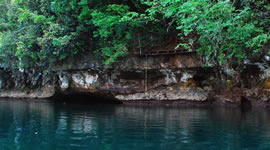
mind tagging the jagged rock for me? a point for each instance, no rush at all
(1, 84)
(180, 94)
(63, 82)
(44, 92)
(90, 79)
(166, 78)
(170, 77)
(186, 76)
(78, 80)
(84, 80)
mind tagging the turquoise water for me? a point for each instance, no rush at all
(34, 125)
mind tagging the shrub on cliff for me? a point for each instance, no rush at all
(39, 33)
(230, 32)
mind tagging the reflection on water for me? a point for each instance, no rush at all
(44, 125)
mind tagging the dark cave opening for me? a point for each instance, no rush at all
(84, 98)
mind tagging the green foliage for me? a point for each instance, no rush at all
(225, 33)
(114, 28)
(40, 33)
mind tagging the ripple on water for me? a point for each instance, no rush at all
(33, 126)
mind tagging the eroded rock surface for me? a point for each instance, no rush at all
(157, 78)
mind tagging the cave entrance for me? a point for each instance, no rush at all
(85, 98)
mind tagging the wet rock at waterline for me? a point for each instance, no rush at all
(159, 78)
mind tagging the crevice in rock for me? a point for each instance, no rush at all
(245, 103)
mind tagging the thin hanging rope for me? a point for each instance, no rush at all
(140, 44)
(146, 76)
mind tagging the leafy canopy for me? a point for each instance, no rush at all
(40, 33)
(226, 34)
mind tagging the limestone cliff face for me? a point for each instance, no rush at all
(137, 79)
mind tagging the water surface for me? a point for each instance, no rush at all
(35, 125)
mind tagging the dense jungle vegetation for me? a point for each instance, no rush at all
(40, 33)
